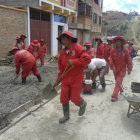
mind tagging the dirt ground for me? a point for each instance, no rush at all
(103, 119)
(14, 94)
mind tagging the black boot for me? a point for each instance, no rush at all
(103, 88)
(66, 113)
(94, 85)
(23, 81)
(82, 106)
(39, 78)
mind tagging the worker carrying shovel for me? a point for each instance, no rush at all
(73, 55)
(28, 62)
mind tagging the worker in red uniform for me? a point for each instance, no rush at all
(27, 61)
(100, 48)
(107, 49)
(119, 60)
(89, 49)
(34, 48)
(22, 41)
(18, 45)
(42, 51)
(74, 55)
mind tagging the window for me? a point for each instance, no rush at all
(84, 10)
(96, 1)
(95, 18)
(88, 11)
(59, 18)
(39, 15)
(81, 9)
(100, 20)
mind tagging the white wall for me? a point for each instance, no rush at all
(54, 35)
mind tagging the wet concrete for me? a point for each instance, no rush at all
(14, 94)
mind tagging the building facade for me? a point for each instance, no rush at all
(45, 19)
(87, 24)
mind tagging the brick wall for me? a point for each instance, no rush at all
(13, 22)
(85, 21)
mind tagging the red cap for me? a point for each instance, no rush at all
(99, 38)
(18, 37)
(69, 34)
(87, 44)
(119, 38)
(23, 35)
(14, 48)
(110, 39)
(130, 42)
(35, 43)
(41, 40)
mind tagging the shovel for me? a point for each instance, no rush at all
(49, 91)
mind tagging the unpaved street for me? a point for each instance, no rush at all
(103, 119)
(14, 94)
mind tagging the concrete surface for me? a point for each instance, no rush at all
(103, 119)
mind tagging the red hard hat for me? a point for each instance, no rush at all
(119, 38)
(110, 39)
(130, 42)
(35, 43)
(69, 34)
(14, 48)
(99, 38)
(23, 35)
(87, 44)
(18, 37)
(41, 40)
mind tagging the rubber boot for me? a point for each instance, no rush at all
(39, 78)
(94, 85)
(82, 106)
(66, 113)
(23, 81)
(103, 88)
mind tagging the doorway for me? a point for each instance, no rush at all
(60, 30)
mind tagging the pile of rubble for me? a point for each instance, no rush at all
(53, 59)
(7, 61)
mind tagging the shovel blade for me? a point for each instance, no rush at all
(49, 92)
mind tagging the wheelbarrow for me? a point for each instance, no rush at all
(134, 103)
(50, 91)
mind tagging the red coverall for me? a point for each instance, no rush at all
(91, 52)
(72, 82)
(107, 50)
(27, 60)
(130, 49)
(34, 51)
(23, 44)
(42, 52)
(100, 51)
(119, 62)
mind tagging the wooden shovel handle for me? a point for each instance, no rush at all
(63, 74)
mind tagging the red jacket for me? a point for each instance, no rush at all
(91, 52)
(107, 50)
(34, 51)
(130, 49)
(100, 51)
(42, 50)
(24, 58)
(23, 44)
(80, 59)
(119, 61)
